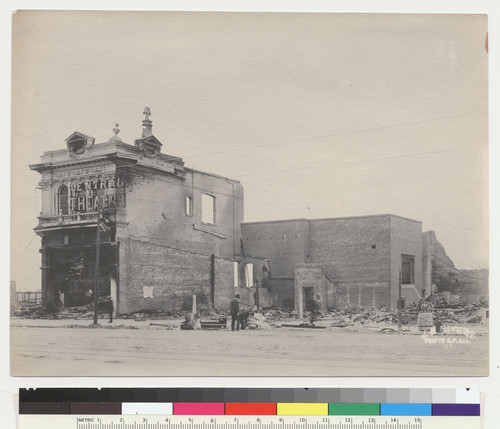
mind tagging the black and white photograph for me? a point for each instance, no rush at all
(249, 194)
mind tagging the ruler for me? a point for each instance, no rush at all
(32, 421)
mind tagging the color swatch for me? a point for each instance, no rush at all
(265, 402)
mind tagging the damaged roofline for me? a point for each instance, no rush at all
(211, 174)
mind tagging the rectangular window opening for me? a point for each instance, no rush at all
(208, 209)
(407, 269)
(189, 206)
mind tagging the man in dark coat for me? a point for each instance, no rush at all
(234, 307)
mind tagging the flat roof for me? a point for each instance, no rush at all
(330, 218)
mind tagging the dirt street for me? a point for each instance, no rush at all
(52, 348)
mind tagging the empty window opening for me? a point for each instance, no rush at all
(189, 206)
(208, 209)
(407, 269)
(248, 275)
(62, 200)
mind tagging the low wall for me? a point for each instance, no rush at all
(157, 277)
(363, 294)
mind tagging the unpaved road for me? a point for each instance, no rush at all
(51, 348)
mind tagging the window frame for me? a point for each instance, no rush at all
(188, 206)
(213, 211)
(409, 259)
(59, 199)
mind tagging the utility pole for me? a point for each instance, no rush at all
(97, 257)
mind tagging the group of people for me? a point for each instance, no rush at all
(239, 318)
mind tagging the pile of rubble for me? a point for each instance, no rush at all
(167, 315)
(446, 311)
(459, 313)
(469, 313)
(33, 312)
(360, 316)
(81, 312)
(259, 321)
(274, 314)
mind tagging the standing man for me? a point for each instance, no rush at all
(235, 310)
(111, 309)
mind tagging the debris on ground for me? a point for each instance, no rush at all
(91, 326)
(388, 331)
(191, 322)
(258, 321)
(167, 326)
(303, 325)
(446, 311)
(220, 323)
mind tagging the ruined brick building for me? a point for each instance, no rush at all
(171, 232)
(352, 261)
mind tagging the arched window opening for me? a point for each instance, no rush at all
(62, 200)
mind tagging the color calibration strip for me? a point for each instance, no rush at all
(184, 402)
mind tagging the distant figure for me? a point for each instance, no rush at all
(106, 305)
(234, 307)
(266, 274)
(111, 308)
(256, 294)
(316, 306)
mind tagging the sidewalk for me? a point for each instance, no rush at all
(16, 322)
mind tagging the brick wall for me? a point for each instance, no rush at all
(365, 252)
(406, 239)
(284, 243)
(358, 247)
(156, 209)
(312, 275)
(172, 276)
(361, 294)
(224, 288)
(282, 292)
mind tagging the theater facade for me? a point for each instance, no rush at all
(167, 231)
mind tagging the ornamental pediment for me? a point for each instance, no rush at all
(149, 145)
(77, 143)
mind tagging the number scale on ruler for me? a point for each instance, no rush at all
(152, 422)
(244, 422)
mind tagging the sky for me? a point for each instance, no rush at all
(318, 115)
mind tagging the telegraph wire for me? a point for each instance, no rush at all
(332, 135)
(360, 162)
(328, 165)
(32, 238)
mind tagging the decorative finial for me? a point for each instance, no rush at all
(116, 130)
(147, 124)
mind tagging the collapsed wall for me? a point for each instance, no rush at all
(470, 285)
